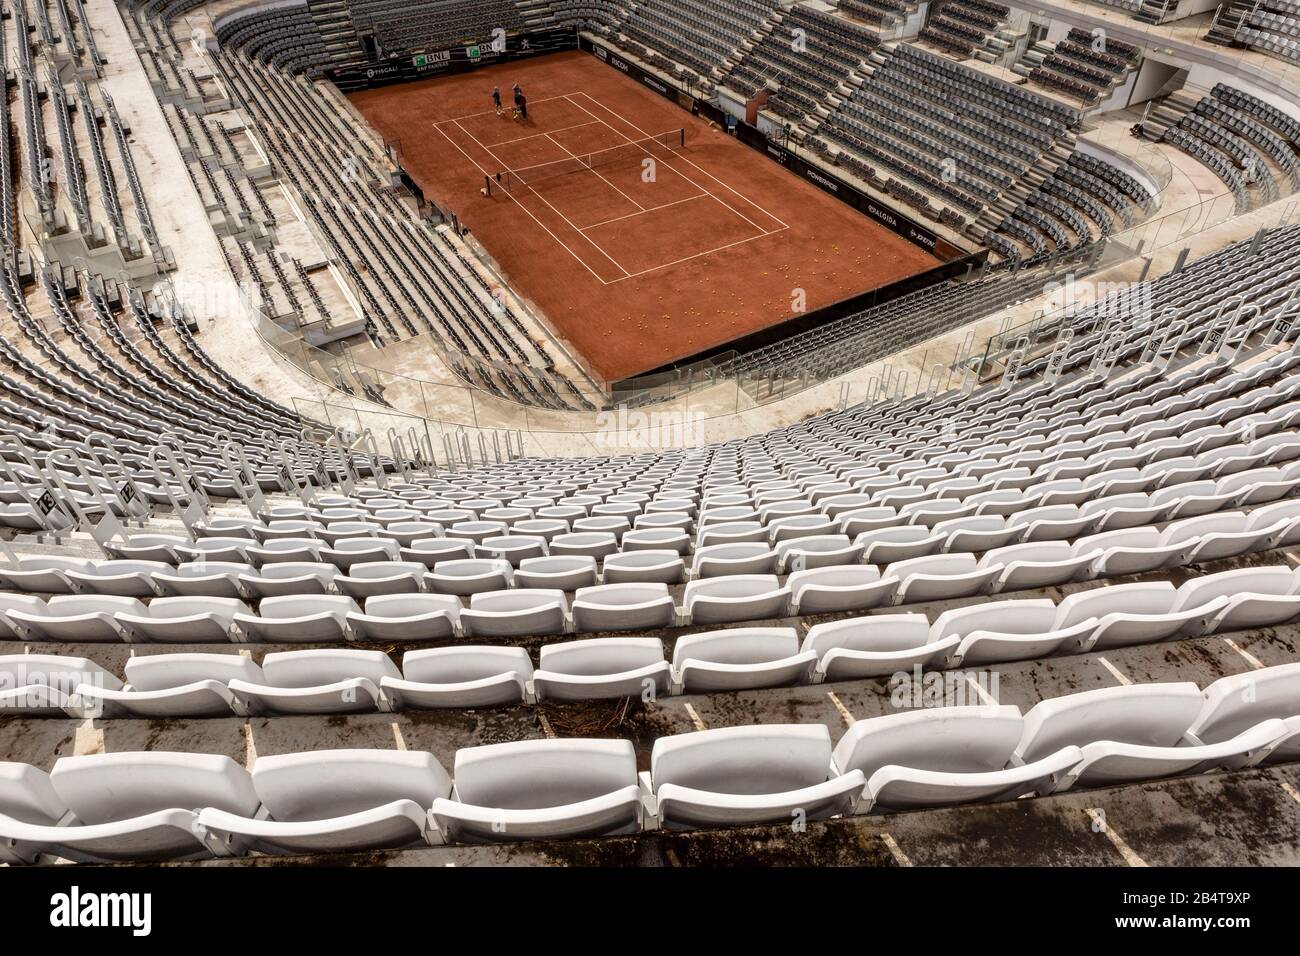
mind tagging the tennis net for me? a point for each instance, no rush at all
(659, 146)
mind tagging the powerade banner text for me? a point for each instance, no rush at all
(419, 65)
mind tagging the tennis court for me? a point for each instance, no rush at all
(613, 195)
(641, 234)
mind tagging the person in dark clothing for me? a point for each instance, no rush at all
(496, 99)
(523, 107)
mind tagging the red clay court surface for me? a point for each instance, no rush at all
(634, 264)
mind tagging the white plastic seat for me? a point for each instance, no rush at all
(591, 544)
(329, 801)
(943, 756)
(76, 618)
(840, 588)
(1057, 522)
(432, 551)
(43, 685)
(121, 578)
(216, 549)
(876, 646)
(43, 574)
(515, 613)
(1127, 614)
(1038, 564)
(541, 789)
(460, 676)
(898, 544)
(1243, 598)
(603, 668)
(204, 579)
(1006, 631)
(405, 617)
(376, 578)
(278, 550)
(1132, 551)
(731, 532)
(183, 620)
(28, 603)
(941, 577)
(512, 548)
(1234, 704)
(163, 686)
(466, 578)
(562, 573)
(126, 807)
(817, 551)
(657, 539)
(741, 659)
(317, 682)
(623, 607)
(721, 560)
(289, 579)
(1150, 714)
(741, 597)
(738, 776)
(1222, 535)
(976, 533)
(292, 619)
(664, 567)
(1108, 763)
(361, 550)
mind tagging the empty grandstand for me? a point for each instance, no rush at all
(647, 433)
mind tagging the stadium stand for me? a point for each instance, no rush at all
(184, 557)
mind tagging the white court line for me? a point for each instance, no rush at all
(664, 162)
(572, 224)
(633, 215)
(581, 261)
(504, 107)
(640, 207)
(562, 129)
(1126, 851)
(732, 189)
(1249, 658)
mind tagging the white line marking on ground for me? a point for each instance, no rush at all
(89, 739)
(572, 225)
(1292, 792)
(547, 729)
(562, 129)
(250, 746)
(640, 208)
(980, 692)
(732, 189)
(1249, 658)
(1114, 671)
(467, 116)
(695, 718)
(397, 736)
(849, 719)
(896, 851)
(530, 213)
(1126, 851)
(633, 215)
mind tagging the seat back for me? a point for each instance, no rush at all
(966, 739)
(26, 794)
(1155, 715)
(601, 656)
(101, 788)
(456, 665)
(331, 783)
(534, 774)
(325, 666)
(760, 759)
(749, 645)
(152, 672)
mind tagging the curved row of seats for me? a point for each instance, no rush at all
(138, 806)
(458, 675)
